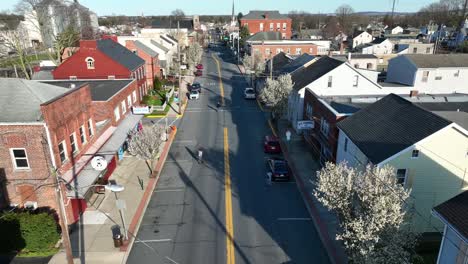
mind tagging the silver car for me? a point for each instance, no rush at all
(249, 93)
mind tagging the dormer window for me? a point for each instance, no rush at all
(90, 63)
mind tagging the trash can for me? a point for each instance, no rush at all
(118, 242)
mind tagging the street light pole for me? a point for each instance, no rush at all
(63, 222)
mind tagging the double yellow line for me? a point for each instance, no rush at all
(230, 251)
(221, 87)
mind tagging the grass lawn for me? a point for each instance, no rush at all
(159, 113)
(38, 254)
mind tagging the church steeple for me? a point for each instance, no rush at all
(233, 16)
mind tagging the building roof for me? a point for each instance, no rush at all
(355, 56)
(173, 39)
(458, 117)
(438, 60)
(101, 90)
(264, 36)
(312, 72)
(163, 37)
(145, 49)
(160, 46)
(357, 33)
(119, 54)
(280, 60)
(263, 14)
(296, 63)
(389, 126)
(378, 40)
(20, 99)
(455, 212)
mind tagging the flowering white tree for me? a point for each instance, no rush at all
(253, 64)
(371, 208)
(145, 144)
(194, 54)
(275, 93)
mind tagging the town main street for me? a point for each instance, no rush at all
(223, 210)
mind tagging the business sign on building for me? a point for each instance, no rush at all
(141, 110)
(305, 124)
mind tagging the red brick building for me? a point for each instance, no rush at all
(60, 127)
(151, 57)
(103, 59)
(267, 21)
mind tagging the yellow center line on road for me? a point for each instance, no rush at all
(221, 87)
(231, 256)
(272, 128)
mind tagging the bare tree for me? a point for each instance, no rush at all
(254, 64)
(145, 144)
(14, 39)
(372, 210)
(276, 92)
(344, 14)
(194, 54)
(178, 14)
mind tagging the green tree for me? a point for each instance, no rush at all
(244, 33)
(157, 84)
(239, 17)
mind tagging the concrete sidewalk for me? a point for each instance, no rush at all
(92, 240)
(174, 110)
(304, 167)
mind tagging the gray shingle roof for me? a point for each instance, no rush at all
(296, 63)
(317, 69)
(101, 90)
(20, 99)
(389, 126)
(355, 56)
(159, 45)
(165, 38)
(438, 60)
(145, 49)
(280, 60)
(455, 212)
(120, 54)
(260, 14)
(171, 37)
(460, 118)
(264, 36)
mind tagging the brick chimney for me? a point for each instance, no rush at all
(265, 15)
(88, 44)
(413, 93)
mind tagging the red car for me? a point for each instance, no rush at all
(271, 145)
(199, 66)
(198, 73)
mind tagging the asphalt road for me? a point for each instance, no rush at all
(190, 221)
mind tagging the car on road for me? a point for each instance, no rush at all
(271, 145)
(199, 73)
(249, 93)
(278, 169)
(199, 66)
(194, 95)
(195, 87)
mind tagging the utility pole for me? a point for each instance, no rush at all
(238, 48)
(271, 66)
(63, 221)
(393, 11)
(180, 74)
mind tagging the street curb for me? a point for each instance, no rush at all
(153, 181)
(313, 211)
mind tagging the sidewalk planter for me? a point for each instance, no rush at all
(118, 241)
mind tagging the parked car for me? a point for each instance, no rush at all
(271, 145)
(195, 87)
(278, 169)
(194, 95)
(249, 93)
(199, 66)
(199, 73)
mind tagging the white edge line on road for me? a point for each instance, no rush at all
(294, 219)
(153, 240)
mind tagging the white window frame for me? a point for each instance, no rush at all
(90, 128)
(14, 159)
(134, 96)
(129, 100)
(278, 26)
(82, 132)
(74, 143)
(123, 106)
(117, 113)
(272, 26)
(65, 154)
(267, 51)
(457, 73)
(413, 156)
(72, 77)
(405, 177)
(284, 26)
(111, 77)
(90, 63)
(298, 51)
(261, 26)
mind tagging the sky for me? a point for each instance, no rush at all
(223, 7)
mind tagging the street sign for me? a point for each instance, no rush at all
(305, 124)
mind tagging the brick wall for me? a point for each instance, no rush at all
(35, 183)
(65, 116)
(267, 50)
(153, 69)
(254, 26)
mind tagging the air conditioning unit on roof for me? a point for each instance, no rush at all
(30, 205)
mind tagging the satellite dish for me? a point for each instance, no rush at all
(99, 163)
